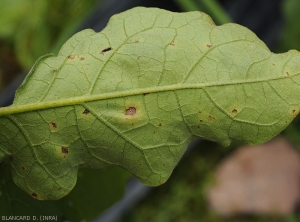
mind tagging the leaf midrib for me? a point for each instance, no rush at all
(13, 109)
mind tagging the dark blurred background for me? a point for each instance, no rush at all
(32, 28)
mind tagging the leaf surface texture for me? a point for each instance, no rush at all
(135, 95)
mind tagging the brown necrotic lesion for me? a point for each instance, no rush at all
(130, 111)
(64, 150)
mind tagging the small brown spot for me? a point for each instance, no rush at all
(64, 150)
(71, 57)
(23, 168)
(137, 41)
(159, 124)
(34, 195)
(172, 44)
(273, 64)
(294, 111)
(53, 125)
(86, 111)
(234, 111)
(211, 118)
(82, 58)
(11, 158)
(59, 188)
(139, 57)
(201, 121)
(209, 46)
(287, 73)
(130, 111)
(105, 50)
(145, 94)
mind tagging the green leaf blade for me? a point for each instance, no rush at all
(135, 94)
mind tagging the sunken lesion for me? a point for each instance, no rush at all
(131, 111)
(64, 150)
(52, 126)
(85, 112)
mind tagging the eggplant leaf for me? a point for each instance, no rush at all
(135, 94)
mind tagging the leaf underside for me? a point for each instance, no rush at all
(135, 94)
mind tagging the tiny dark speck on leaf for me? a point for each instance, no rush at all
(82, 58)
(105, 50)
(159, 124)
(172, 44)
(287, 73)
(209, 46)
(86, 111)
(71, 57)
(34, 195)
(234, 111)
(130, 111)
(64, 149)
(201, 121)
(145, 94)
(10, 158)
